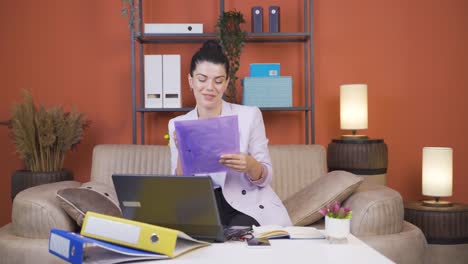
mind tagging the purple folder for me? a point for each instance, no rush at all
(202, 142)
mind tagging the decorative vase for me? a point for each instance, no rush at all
(23, 179)
(336, 227)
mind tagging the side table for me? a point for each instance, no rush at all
(365, 157)
(445, 228)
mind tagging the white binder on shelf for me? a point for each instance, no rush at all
(153, 81)
(171, 81)
(173, 28)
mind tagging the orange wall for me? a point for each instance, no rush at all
(414, 57)
(412, 54)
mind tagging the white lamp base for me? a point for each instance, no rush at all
(437, 203)
(354, 137)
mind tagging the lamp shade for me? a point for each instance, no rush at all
(437, 171)
(353, 106)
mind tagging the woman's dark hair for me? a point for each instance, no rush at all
(211, 51)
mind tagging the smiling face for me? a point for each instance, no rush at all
(209, 81)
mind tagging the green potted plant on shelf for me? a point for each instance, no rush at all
(42, 138)
(232, 38)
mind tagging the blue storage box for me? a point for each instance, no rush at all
(267, 91)
(265, 70)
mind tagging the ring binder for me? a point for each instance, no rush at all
(77, 249)
(257, 19)
(134, 234)
(274, 15)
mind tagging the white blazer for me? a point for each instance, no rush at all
(254, 198)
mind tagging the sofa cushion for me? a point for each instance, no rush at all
(36, 211)
(92, 196)
(303, 207)
(122, 158)
(296, 166)
(377, 210)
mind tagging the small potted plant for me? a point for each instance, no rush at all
(337, 220)
(42, 137)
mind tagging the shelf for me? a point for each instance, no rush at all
(196, 38)
(183, 109)
(304, 37)
(278, 37)
(302, 108)
(187, 109)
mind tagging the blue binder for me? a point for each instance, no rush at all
(274, 15)
(74, 248)
(257, 19)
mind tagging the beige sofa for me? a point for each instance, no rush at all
(377, 210)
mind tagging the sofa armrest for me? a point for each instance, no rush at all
(36, 210)
(377, 210)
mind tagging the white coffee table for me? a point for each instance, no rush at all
(284, 251)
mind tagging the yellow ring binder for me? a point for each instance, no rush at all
(154, 238)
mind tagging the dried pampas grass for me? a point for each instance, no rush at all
(43, 136)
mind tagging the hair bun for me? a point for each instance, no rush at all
(211, 51)
(212, 45)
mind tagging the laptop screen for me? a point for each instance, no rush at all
(185, 203)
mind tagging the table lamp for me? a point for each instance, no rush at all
(357, 153)
(353, 109)
(437, 172)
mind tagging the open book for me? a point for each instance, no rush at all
(291, 232)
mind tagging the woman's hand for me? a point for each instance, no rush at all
(243, 163)
(174, 137)
(179, 165)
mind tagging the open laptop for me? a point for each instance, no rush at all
(185, 203)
